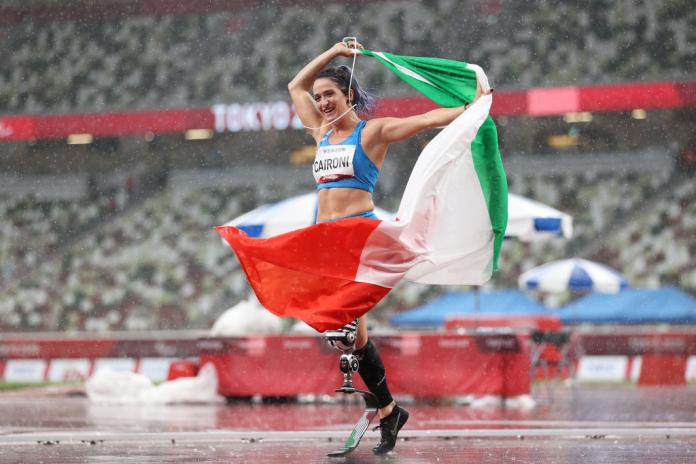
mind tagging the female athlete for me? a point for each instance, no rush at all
(350, 153)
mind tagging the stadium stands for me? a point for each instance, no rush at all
(596, 202)
(159, 265)
(658, 247)
(98, 63)
(33, 227)
(72, 264)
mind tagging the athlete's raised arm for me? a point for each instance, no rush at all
(301, 85)
(390, 130)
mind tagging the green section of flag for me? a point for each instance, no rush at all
(491, 174)
(452, 83)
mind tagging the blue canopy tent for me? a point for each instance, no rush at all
(632, 306)
(499, 303)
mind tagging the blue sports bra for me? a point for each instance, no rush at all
(344, 164)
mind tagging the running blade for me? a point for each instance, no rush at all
(358, 431)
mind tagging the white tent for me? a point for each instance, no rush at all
(528, 220)
(286, 215)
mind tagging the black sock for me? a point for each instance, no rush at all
(373, 374)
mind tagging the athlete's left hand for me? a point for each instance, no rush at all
(479, 92)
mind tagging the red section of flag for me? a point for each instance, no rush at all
(310, 273)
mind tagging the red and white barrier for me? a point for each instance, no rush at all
(434, 363)
(643, 358)
(54, 359)
(419, 364)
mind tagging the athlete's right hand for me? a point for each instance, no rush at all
(341, 49)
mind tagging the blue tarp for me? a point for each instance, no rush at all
(503, 303)
(632, 306)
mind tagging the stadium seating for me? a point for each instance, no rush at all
(657, 247)
(160, 265)
(595, 201)
(194, 59)
(33, 227)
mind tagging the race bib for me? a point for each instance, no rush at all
(333, 162)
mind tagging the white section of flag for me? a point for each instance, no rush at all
(443, 228)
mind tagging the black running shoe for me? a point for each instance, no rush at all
(389, 427)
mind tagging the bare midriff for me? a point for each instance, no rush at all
(335, 203)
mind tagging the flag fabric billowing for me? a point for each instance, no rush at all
(453, 83)
(449, 227)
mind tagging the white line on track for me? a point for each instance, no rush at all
(458, 423)
(255, 436)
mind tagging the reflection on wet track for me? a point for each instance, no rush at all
(583, 424)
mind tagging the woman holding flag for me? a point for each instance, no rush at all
(350, 153)
(450, 223)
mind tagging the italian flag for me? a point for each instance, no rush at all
(448, 230)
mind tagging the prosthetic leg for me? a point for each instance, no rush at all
(344, 340)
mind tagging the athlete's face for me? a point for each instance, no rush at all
(330, 100)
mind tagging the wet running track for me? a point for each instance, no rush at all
(625, 424)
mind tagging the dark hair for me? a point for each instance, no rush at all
(363, 101)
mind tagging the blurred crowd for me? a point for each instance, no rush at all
(598, 202)
(32, 228)
(106, 262)
(659, 245)
(199, 59)
(159, 264)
